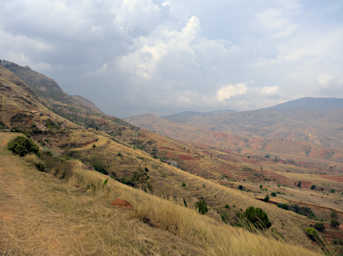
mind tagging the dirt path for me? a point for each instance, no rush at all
(26, 227)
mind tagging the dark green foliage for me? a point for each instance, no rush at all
(283, 206)
(227, 206)
(313, 187)
(225, 217)
(266, 198)
(333, 215)
(332, 191)
(2, 125)
(261, 186)
(185, 203)
(257, 217)
(22, 146)
(41, 167)
(99, 167)
(338, 242)
(312, 234)
(306, 211)
(241, 187)
(201, 205)
(334, 223)
(320, 227)
(51, 125)
(299, 184)
(273, 194)
(183, 184)
(139, 179)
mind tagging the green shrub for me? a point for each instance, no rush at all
(313, 187)
(241, 187)
(22, 146)
(266, 198)
(273, 194)
(283, 206)
(227, 206)
(201, 205)
(312, 234)
(320, 227)
(257, 217)
(41, 167)
(333, 215)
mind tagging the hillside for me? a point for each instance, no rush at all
(151, 163)
(303, 130)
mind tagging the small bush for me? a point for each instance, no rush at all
(241, 187)
(266, 198)
(333, 215)
(334, 223)
(283, 206)
(227, 206)
(22, 146)
(257, 217)
(312, 234)
(201, 205)
(41, 167)
(320, 227)
(313, 187)
(273, 194)
(183, 184)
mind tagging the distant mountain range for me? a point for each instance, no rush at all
(311, 127)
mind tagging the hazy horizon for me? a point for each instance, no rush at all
(170, 56)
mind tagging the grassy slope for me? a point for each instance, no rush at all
(166, 180)
(85, 223)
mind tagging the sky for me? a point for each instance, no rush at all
(165, 56)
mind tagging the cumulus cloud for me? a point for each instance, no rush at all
(151, 49)
(134, 56)
(229, 91)
(269, 90)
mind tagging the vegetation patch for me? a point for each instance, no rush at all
(201, 205)
(257, 217)
(22, 146)
(306, 211)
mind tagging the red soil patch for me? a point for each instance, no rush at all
(185, 157)
(333, 178)
(122, 203)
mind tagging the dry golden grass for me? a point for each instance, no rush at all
(41, 215)
(167, 182)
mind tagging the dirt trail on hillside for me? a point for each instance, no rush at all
(26, 227)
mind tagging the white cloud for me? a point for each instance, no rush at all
(269, 90)
(148, 55)
(277, 22)
(230, 91)
(325, 79)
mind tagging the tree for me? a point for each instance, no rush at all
(257, 217)
(201, 205)
(22, 146)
